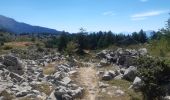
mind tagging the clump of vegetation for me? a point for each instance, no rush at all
(71, 47)
(7, 47)
(6, 95)
(154, 73)
(160, 42)
(49, 69)
(44, 87)
(124, 84)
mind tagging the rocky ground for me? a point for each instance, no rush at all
(24, 79)
(56, 77)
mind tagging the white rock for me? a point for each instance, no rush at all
(72, 72)
(137, 81)
(103, 62)
(143, 51)
(112, 73)
(66, 80)
(118, 77)
(119, 92)
(106, 76)
(166, 98)
(103, 85)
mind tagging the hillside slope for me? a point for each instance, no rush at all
(12, 25)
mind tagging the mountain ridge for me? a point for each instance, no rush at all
(11, 25)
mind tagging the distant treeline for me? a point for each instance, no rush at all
(96, 40)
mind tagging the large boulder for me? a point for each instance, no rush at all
(130, 73)
(137, 83)
(13, 64)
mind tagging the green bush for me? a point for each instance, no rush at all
(7, 48)
(154, 73)
(40, 49)
(71, 47)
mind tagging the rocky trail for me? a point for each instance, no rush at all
(89, 81)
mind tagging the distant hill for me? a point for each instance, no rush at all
(12, 25)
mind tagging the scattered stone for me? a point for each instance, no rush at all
(112, 73)
(106, 76)
(119, 92)
(137, 83)
(22, 93)
(52, 96)
(72, 72)
(130, 73)
(103, 62)
(118, 77)
(143, 51)
(77, 93)
(66, 80)
(16, 77)
(103, 85)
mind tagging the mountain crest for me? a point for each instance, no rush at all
(13, 26)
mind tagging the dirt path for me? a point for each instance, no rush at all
(89, 81)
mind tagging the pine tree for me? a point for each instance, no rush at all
(62, 42)
(142, 36)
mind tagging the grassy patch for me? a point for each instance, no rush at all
(6, 95)
(44, 87)
(159, 47)
(121, 83)
(124, 85)
(49, 69)
(18, 44)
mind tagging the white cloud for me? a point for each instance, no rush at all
(108, 13)
(143, 0)
(145, 15)
(140, 18)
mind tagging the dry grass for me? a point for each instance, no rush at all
(49, 69)
(106, 68)
(18, 44)
(44, 87)
(6, 95)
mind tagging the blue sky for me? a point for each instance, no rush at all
(93, 15)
